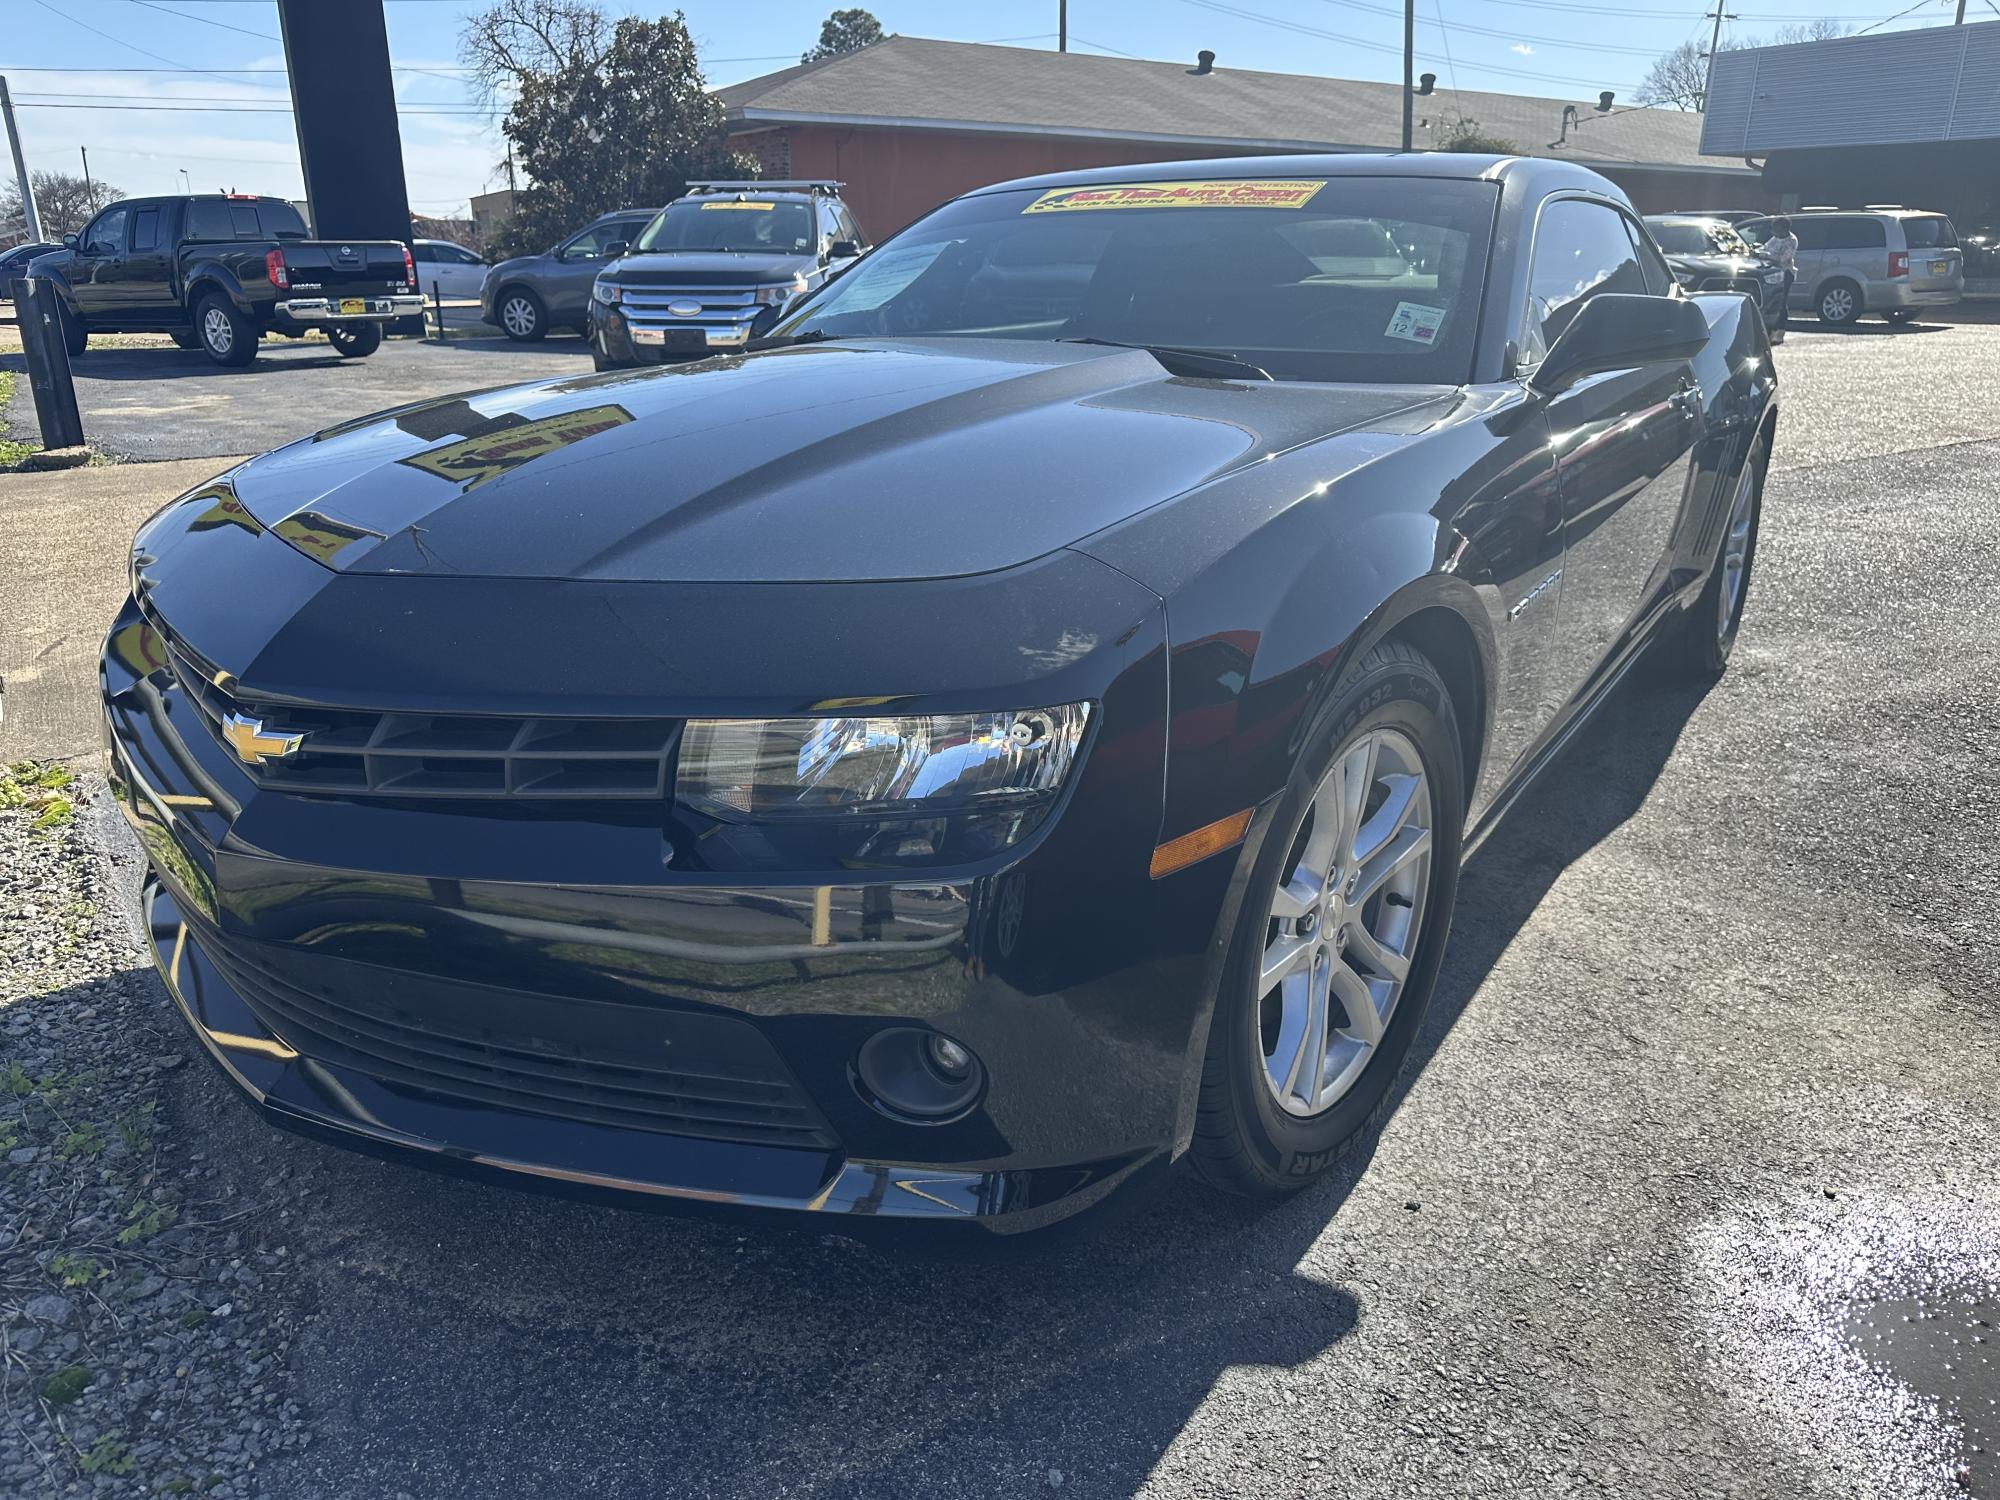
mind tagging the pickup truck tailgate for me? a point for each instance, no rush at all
(355, 267)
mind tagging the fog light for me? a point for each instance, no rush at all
(949, 1057)
(918, 1076)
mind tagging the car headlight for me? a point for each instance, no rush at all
(608, 292)
(879, 790)
(783, 292)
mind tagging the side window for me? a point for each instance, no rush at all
(1854, 234)
(590, 244)
(423, 254)
(1581, 249)
(465, 257)
(1810, 233)
(1652, 265)
(146, 229)
(106, 235)
(208, 219)
(849, 230)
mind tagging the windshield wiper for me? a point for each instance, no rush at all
(1187, 361)
(786, 340)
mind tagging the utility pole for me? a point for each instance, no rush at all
(1714, 42)
(88, 197)
(33, 219)
(1062, 24)
(1959, 19)
(1410, 64)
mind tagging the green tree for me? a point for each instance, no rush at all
(602, 114)
(1462, 133)
(844, 31)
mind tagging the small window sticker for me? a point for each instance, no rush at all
(738, 205)
(1233, 193)
(1415, 322)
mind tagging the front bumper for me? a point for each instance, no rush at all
(349, 309)
(619, 340)
(477, 991)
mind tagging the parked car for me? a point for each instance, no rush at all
(453, 270)
(1889, 261)
(219, 270)
(1982, 251)
(717, 266)
(530, 294)
(14, 264)
(1011, 732)
(1706, 255)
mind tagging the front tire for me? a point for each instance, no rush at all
(1336, 951)
(521, 315)
(1840, 303)
(227, 337)
(355, 340)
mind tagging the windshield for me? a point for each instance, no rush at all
(744, 225)
(1345, 279)
(1698, 238)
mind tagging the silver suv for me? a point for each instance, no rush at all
(530, 294)
(1892, 261)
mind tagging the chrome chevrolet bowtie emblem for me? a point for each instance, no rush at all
(252, 745)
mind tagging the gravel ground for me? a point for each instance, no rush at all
(1703, 1111)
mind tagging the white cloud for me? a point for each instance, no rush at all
(1523, 48)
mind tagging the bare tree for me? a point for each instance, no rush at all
(1680, 77)
(513, 41)
(64, 201)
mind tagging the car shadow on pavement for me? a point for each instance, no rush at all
(466, 1340)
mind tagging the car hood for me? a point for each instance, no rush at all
(829, 462)
(1722, 265)
(706, 268)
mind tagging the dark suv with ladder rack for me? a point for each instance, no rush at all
(716, 267)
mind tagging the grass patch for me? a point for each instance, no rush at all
(36, 787)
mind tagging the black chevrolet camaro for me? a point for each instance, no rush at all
(1015, 729)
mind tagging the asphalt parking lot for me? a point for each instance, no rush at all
(163, 402)
(1690, 1189)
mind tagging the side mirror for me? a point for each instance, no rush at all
(70, 242)
(616, 248)
(842, 250)
(1616, 331)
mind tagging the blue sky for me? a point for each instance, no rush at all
(228, 128)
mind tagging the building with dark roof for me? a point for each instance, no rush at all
(908, 123)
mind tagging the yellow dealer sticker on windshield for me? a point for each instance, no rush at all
(1245, 193)
(765, 207)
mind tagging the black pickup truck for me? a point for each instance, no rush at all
(217, 271)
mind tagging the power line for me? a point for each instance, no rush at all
(128, 46)
(1505, 36)
(222, 25)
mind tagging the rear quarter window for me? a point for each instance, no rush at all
(208, 219)
(1930, 233)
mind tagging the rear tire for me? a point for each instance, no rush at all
(1700, 648)
(185, 340)
(1839, 303)
(227, 337)
(1280, 1104)
(355, 340)
(521, 315)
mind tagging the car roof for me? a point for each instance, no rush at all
(755, 196)
(1537, 173)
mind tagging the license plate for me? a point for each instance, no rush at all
(1940, 268)
(349, 306)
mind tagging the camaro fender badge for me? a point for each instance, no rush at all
(252, 745)
(1535, 593)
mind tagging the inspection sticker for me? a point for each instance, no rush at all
(1232, 194)
(1415, 322)
(734, 204)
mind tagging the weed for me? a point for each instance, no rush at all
(55, 812)
(72, 1269)
(106, 1456)
(135, 1128)
(66, 1385)
(85, 1141)
(14, 1079)
(194, 1317)
(146, 1222)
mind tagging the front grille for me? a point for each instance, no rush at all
(360, 752)
(1749, 285)
(727, 311)
(717, 1078)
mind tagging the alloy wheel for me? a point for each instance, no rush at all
(217, 332)
(518, 315)
(1344, 922)
(1736, 550)
(1837, 304)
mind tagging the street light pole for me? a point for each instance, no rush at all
(1409, 65)
(1062, 25)
(33, 219)
(86, 173)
